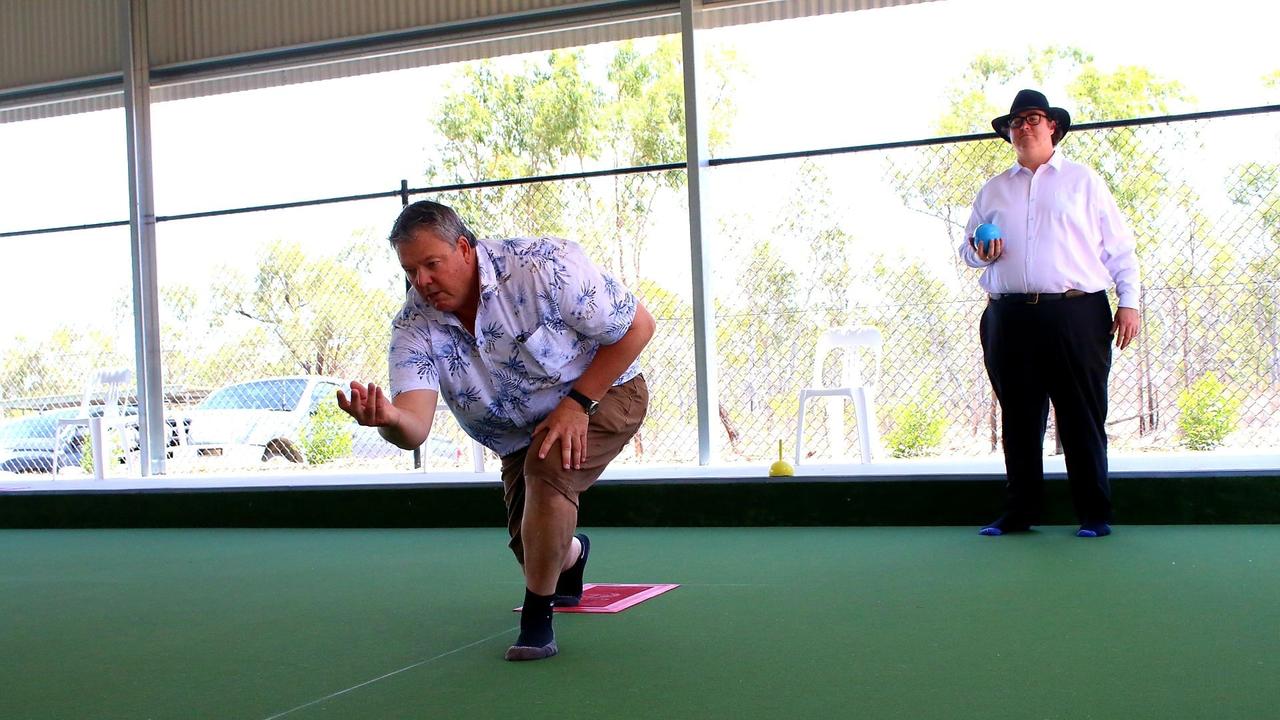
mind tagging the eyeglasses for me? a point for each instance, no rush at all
(1033, 120)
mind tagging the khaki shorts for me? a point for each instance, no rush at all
(621, 411)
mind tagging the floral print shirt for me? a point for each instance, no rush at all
(545, 309)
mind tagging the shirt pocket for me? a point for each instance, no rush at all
(546, 353)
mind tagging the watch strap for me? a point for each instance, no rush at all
(587, 403)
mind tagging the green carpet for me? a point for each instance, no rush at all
(1153, 622)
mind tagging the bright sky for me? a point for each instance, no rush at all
(829, 81)
(881, 75)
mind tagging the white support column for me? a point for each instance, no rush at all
(152, 433)
(704, 338)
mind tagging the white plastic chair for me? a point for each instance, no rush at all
(109, 385)
(855, 385)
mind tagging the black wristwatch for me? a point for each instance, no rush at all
(591, 406)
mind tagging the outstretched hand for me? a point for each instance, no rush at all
(368, 405)
(568, 424)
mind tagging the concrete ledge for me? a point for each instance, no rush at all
(1242, 497)
(1153, 465)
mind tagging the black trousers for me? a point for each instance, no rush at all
(1055, 351)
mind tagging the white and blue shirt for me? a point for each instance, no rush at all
(545, 309)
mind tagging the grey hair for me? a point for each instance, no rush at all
(439, 219)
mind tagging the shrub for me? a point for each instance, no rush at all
(918, 427)
(86, 456)
(1207, 413)
(326, 435)
(113, 450)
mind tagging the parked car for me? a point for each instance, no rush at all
(258, 420)
(263, 420)
(26, 444)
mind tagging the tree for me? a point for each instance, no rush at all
(1255, 186)
(564, 114)
(321, 315)
(669, 363)
(58, 364)
(760, 333)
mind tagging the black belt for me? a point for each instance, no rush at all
(1033, 298)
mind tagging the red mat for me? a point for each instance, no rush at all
(613, 597)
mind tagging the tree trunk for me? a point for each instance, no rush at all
(991, 417)
(729, 428)
(1148, 420)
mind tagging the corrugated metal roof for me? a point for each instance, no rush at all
(57, 40)
(60, 55)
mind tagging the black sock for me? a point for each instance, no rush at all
(535, 620)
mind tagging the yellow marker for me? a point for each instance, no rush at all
(782, 468)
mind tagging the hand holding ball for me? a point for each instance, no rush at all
(984, 235)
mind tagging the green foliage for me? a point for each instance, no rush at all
(1208, 413)
(566, 112)
(1254, 185)
(114, 450)
(823, 292)
(326, 435)
(1127, 92)
(918, 427)
(86, 459)
(978, 96)
(319, 315)
(1271, 82)
(57, 364)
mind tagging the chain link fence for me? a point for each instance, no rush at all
(870, 238)
(49, 356)
(254, 350)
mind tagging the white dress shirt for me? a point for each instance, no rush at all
(1062, 230)
(544, 310)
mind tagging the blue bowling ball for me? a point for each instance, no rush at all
(985, 233)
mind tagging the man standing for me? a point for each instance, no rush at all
(1048, 327)
(534, 350)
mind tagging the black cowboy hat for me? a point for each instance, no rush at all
(1033, 100)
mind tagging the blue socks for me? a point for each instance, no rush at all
(1003, 526)
(1093, 530)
